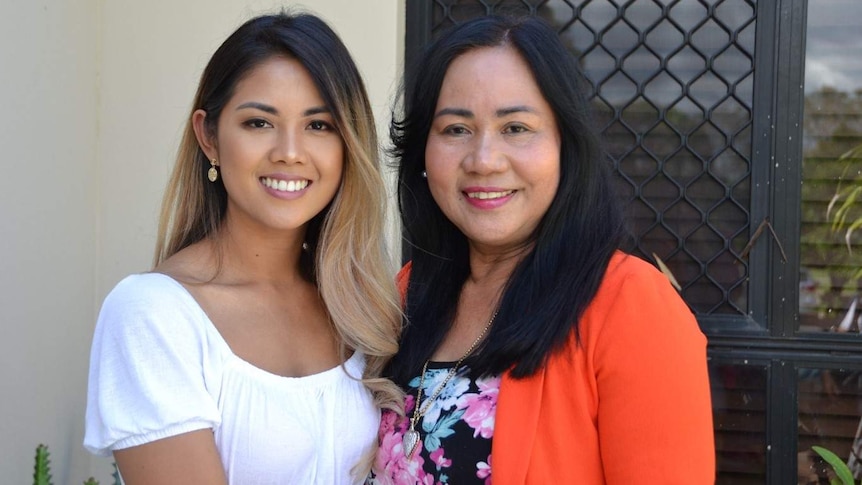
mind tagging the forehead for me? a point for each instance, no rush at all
(277, 77)
(490, 75)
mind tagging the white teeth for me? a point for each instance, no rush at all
(285, 185)
(489, 195)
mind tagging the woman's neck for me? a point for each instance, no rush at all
(493, 267)
(249, 254)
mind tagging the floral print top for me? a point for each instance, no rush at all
(456, 432)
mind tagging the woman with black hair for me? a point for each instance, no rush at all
(533, 351)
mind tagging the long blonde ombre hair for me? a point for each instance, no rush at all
(346, 255)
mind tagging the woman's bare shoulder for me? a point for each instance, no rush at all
(193, 265)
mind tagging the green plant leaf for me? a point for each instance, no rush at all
(841, 214)
(838, 465)
(832, 202)
(855, 152)
(91, 481)
(849, 233)
(42, 469)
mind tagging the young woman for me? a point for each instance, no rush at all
(251, 353)
(535, 352)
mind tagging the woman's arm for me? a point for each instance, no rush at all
(655, 417)
(186, 459)
(147, 393)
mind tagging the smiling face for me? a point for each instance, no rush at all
(278, 152)
(493, 150)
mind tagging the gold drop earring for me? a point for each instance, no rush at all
(212, 173)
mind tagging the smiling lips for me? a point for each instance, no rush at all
(284, 185)
(489, 195)
(488, 199)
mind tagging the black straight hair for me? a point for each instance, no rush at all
(554, 283)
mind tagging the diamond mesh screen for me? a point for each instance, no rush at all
(672, 85)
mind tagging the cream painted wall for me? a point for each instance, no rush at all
(48, 68)
(94, 96)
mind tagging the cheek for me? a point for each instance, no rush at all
(553, 176)
(432, 155)
(237, 154)
(544, 177)
(438, 189)
(442, 185)
(549, 169)
(440, 166)
(551, 180)
(337, 162)
(333, 173)
(329, 158)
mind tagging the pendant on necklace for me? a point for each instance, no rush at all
(410, 442)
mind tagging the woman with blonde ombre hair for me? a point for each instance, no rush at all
(252, 352)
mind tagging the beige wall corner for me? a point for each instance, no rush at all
(48, 51)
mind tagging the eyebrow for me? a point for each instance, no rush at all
(514, 109)
(465, 113)
(271, 110)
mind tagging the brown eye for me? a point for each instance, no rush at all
(514, 129)
(455, 130)
(257, 123)
(318, 125)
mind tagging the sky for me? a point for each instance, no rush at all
(833, 54)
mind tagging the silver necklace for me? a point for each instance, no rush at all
(411, 436)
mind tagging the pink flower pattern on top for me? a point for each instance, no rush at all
(484, 470)
(481, 408)
(461, 418)
(390, 455)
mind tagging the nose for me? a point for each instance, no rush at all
(485, 156)
(288, 146)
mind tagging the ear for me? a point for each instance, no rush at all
(206, 141)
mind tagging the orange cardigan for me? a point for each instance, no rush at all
(630, 404)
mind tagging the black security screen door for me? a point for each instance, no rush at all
(709, 115)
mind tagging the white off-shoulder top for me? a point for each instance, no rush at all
(159, 368)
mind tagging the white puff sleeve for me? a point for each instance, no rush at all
(149, 363)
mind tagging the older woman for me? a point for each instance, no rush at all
(535, 351)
